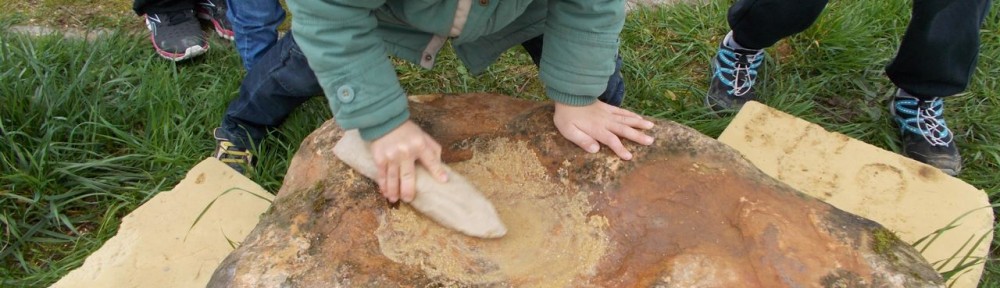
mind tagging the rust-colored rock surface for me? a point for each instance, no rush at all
(687, 212)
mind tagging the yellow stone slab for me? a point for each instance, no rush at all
(906, 196)
(156, 245)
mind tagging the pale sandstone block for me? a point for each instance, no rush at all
(906, 196)
(156, 245)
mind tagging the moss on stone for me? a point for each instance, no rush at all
(884, 242)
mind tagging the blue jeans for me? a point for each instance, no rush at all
(282, 81)
(255, 23)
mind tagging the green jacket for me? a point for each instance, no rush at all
(347, 43)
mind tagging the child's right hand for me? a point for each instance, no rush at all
(600, 123)
(396, 154)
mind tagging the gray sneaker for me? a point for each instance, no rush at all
(215, 12)
(176, 35)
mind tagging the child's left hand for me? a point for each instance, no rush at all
(599, 122)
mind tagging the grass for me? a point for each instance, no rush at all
(94, 129)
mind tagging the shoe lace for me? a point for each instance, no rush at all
(229, 153)
(742, 69)
(924, 118)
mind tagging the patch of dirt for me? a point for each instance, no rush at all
(784, 50)
(842, 109)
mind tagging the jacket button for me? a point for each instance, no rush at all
(428, 57)
(484, 2)
(345, 94)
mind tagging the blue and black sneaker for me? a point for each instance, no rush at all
(925, 136)
(734, 72)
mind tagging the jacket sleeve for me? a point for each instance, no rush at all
(339, 41)
(581, 41)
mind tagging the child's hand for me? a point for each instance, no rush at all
(600, 122)
(395, 156)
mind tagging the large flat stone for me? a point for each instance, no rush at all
(157, 246)
(687, 211)
(906, 196)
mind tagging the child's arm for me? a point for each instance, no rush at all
(351, 64)
(581, 41)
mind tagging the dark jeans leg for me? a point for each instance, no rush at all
(614, 94)
(278, 84)
(939, 50)
(758, 24)
(534, 48)
(158, 6)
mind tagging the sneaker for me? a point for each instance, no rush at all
(215, 11)
(238, 158)
(926, 137)
(176, 35)
(734, 72)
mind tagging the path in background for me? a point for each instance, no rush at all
(633, 4)
(73, 33)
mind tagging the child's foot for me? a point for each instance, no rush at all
(734, 72)
(925, 136)
(176, 35)
(238, 158)
(215, 11)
